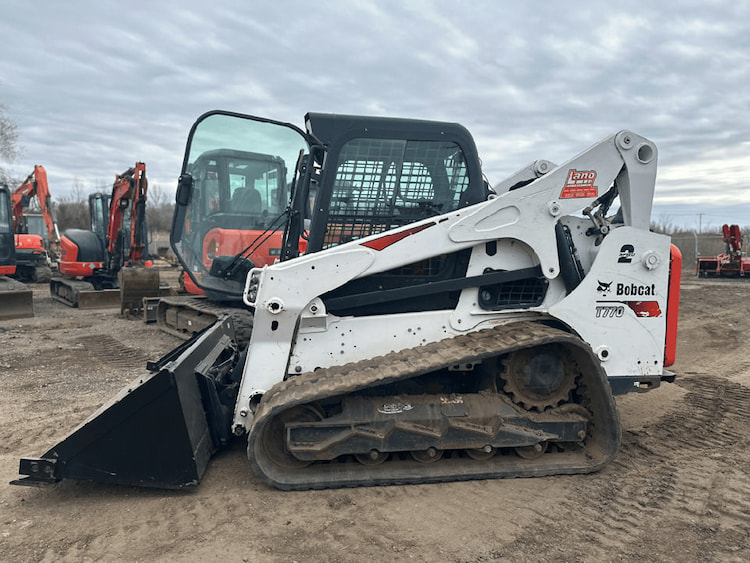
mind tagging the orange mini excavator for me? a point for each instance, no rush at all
(107, 263)
(37, 238)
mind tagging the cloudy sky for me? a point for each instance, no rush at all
(94, 86)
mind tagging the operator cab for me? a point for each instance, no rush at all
(232, 199)
(7, 245)
(35, 226)
(255, 191)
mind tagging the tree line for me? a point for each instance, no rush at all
(72, 209)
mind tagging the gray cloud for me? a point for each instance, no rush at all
(94, 87)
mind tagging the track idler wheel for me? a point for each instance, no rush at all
(274, 438)
(480, 454)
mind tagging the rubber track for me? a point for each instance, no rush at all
(242, 318)
(74, 287)
(43, 274)
(601, 445)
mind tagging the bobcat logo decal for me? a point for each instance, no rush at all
(603, 287)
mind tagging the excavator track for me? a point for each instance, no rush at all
(82, 294)
(42, 274)
(184, 316)
(343, 427)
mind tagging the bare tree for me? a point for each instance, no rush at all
(159, 210)
(9, 150)
(72, 209)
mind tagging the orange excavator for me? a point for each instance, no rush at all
(15, 297)
(37, 239)
(107, 264)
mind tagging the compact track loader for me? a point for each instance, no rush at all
(432, 330)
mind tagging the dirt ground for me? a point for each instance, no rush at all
(679, 490)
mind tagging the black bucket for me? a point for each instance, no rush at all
(159, 432)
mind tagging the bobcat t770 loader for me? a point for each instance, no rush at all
(417, 327)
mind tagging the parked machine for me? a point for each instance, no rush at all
(730, 263)
(37, 238)
(15, 297)
(105, 265)
(431, 331)
(237, 218)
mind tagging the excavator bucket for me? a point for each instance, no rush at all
(15, 300)
(160, 431)
(136, 282)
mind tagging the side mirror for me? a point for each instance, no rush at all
(184, 190)
(182, 198)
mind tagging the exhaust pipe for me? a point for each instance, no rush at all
(159, 431)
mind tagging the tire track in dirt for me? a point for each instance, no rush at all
(107, 349)
(677, 489)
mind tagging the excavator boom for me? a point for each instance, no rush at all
(36, 186)
(37, 236)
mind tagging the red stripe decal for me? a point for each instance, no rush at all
(388, 240)
(645, 308)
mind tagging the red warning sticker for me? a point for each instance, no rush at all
(579, 183)
(645, 308)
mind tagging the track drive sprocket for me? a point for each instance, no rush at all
(537, 378)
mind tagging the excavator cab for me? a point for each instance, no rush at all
(35, 226)
(7, 247)
(233, 199)
(15, 298)
(84, 250)
(99, 214)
